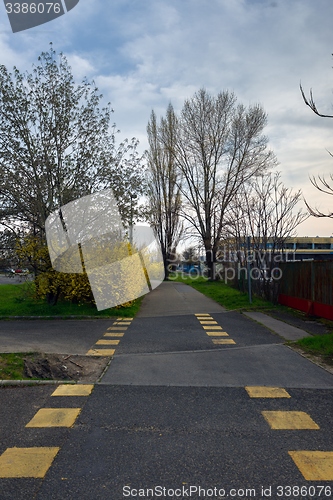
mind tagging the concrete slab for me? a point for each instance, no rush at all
(286, 331)
(171, 298)
(264, 365)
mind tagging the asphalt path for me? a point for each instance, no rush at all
(172, 411)
(51, 336)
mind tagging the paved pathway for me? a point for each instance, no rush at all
(204, 399)
(283, 329)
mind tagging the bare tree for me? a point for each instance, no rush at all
(322, 184)
(163, 185)
(268, 213)
(219, 147)
(311, 103)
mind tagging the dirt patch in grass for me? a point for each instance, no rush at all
(23, 366)
(62, 367)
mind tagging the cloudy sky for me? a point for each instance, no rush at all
(144, 54)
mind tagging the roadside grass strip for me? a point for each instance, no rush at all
(54, 417)
(27, 462)
(289, 420)
(266, 392)
(314, 465)
(73, 390)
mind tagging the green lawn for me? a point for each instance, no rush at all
(225, 295)
(318, 344)
(17, 300)
(12, 366)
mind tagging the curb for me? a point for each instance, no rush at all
(55, 317)
(35, 382)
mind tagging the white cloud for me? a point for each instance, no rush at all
(143, 55)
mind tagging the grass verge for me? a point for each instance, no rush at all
(318, 345)
(16, 300)
(225, 295)
(12, 366)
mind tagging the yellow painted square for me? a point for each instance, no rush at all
(27, 462)
(266, 392)
(289, 420)
(203, 314)
(314, 465)
(100, 352)
(107, 342)
(73, 390)
(113, 334)
(54, 417)
(212, 327)
(223, 341)
(218, 334)
(208, 322)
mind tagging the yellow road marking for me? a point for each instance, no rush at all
(212, 327)
(223, 341)
(27, 462)
(217, 334)
(204, 317)
(107, 342)
(73, 390)
(266, 392)
(100, 352)
(208, 322)
(123, 323)
(124, 319)
(314, 465)
(111, 328)
(54, 417)
(289, 420)
(113, 334)
(203, 314)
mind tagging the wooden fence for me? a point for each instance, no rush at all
(308, 286)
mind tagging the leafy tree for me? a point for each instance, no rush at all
(57, 144)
